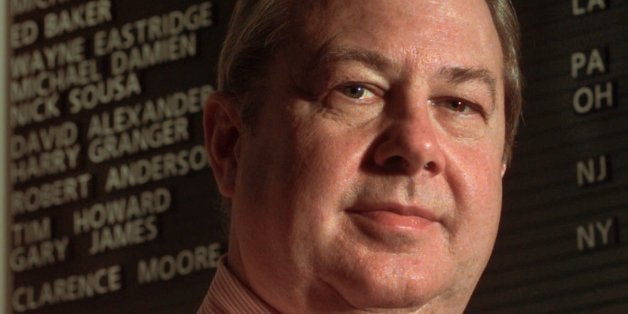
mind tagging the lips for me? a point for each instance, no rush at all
(396, 217)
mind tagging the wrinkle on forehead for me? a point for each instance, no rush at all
(329, 25)
(322, 20)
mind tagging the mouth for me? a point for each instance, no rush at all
(392, 217)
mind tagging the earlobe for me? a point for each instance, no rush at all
(504, 167)
(222, 126)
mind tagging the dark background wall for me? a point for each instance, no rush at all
(113, 204)
(115, 211)
(562, 243)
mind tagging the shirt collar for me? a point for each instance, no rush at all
(227, 294)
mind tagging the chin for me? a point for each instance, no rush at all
(420, 299)
(394, 286)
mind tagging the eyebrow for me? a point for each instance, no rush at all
(326, 55)
(369, 58)
(458, 75)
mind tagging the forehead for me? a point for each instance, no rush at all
(423, 34)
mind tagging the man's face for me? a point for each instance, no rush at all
(371, 176)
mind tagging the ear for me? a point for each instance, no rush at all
(504, 167)
(223, 126)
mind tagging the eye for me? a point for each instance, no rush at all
(456, 105)
(459, 117)
(355, 102)
(357, 91)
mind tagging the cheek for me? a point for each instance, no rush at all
(328, 151)
(476, 186)
(327, 164)
(301, 168)
(475, 180)
(327, 174)
(479, 165)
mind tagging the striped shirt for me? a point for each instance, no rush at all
(228, 295)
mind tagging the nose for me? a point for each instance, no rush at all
(409, 145)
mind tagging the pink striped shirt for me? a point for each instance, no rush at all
(228, 295)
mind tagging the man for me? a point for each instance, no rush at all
(360, 146)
